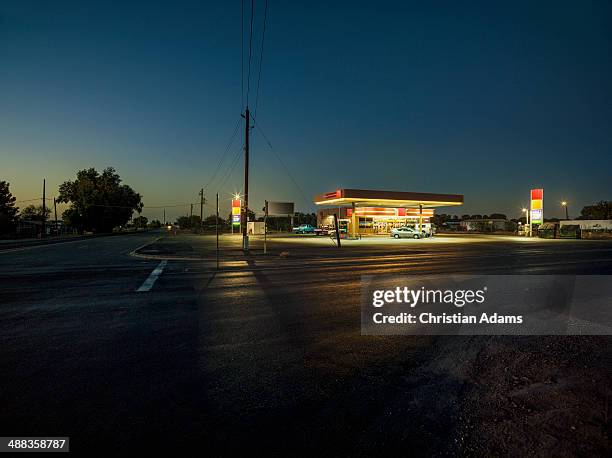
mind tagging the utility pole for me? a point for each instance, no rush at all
(245, 235)
(564, 204)
(191, 217)
(201, 208)
(420, 219)
(217, 230)
(265, 228)
(164, 216)
(44, 210)
(337, 229)
(55, 211)
(529, 221)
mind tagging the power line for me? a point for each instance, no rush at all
(306, 200)
(263, 38)
(170, 206)
(250, 52)
(241, 54)
(28, 200)
(223, 155)
(231, 169)
(144, 206)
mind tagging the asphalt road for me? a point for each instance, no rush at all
(267, 355)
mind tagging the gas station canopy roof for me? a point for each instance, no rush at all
(373, 198)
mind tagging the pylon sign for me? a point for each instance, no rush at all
(537, 206)
(236, 206)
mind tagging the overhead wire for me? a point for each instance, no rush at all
(289, 174)
(263, 39)
(30, 200)
(250, 53)
(241, 54)
(236, 159)
(223, 155)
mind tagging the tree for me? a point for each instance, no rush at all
(600, 210)
(305, 218)
(212, 220)
(184, 222)
(140, 221)
(34, 213)
(155, 224)
(497, 216)
(8, 210)
(98, 201)
(439, 219)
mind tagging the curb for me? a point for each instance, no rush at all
(47, 242)
(134, 252)
(160, 257)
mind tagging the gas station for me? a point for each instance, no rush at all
(362, 211)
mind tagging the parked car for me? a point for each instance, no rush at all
(332, 232)
(304, 229)
(406, 232)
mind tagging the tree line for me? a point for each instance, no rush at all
(97, 202)
(279, 223)
(100, 202)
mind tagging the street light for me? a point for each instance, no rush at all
(527, 220)
(564, 204)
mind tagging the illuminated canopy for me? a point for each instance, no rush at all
(371, 198)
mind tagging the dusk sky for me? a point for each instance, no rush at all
(485, 99)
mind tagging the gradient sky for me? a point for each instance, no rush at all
(485, 99)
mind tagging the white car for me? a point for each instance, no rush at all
(406, 232)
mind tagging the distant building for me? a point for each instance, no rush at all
(488, 225)
(587, 228)
(33, 228)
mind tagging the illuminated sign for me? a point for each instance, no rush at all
(389, 212)
(236, 206)
(333, 195)
(537, 206)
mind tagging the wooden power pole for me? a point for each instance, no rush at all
(245, 211)
(201, 209)
(217, 230)
(44, 210)
(55, 212)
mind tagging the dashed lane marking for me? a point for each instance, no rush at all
(150, 281)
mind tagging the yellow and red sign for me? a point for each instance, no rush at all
(236, 206)
(537, 206)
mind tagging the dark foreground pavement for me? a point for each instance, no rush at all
(266, 356)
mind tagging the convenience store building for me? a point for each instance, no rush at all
(362, 211)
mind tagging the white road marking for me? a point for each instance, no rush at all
(149, 282)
